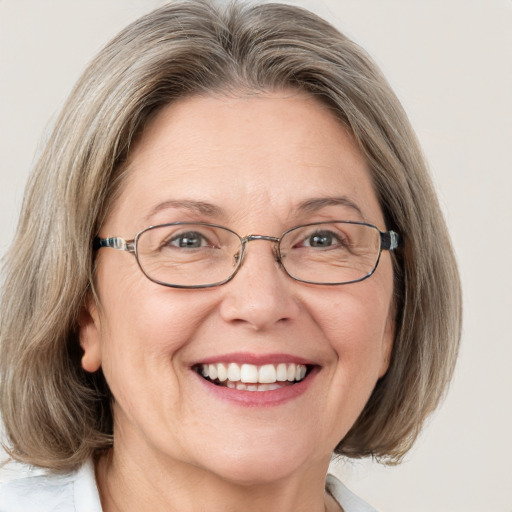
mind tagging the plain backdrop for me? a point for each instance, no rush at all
(450, 62)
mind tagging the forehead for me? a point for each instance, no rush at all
(261, 155)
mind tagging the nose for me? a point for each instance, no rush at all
(260, 295)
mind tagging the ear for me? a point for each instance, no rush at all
(387, 343)
(90, 336)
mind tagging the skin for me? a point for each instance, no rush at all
(178, 447)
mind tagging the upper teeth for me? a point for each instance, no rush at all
(250, 373)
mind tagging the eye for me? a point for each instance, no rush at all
(323, 239)
(188, 240)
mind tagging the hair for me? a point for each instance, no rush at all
(56, 415)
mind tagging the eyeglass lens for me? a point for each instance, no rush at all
(203, 255)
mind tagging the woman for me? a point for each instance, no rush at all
(230, 265)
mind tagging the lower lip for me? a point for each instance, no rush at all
(260, 398)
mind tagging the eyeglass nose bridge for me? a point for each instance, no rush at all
(249, 238)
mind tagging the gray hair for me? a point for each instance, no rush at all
(55, 414)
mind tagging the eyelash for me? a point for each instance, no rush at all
(191, 235)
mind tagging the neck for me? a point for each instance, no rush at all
(127, 484)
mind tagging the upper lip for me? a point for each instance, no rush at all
(255, 359)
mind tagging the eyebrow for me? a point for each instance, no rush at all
(200, 207)
(315, 204)
(209, 209)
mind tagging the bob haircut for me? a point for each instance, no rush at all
(57, 415)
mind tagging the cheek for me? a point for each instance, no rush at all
(143, 336)
(143, 328)
(138, 314)
(352, 323)
(151, 324)
(357, 323)
(354, 326)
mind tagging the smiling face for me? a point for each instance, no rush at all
(257, 165)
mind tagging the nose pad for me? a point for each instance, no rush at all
(276, 255)
(260, 293)
(238, 258)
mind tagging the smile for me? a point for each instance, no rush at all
(250, 377)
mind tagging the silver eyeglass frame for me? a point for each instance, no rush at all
(389, 241)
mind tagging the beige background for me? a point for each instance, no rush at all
(450, 62)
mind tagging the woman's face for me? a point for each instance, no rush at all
(250, 164)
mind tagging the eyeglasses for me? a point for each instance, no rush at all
(201, 255)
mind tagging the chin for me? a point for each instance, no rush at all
(247, 472)
(260, 461)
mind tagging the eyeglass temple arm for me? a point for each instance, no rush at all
(390, 240)
(114, 242)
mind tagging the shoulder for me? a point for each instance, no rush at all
(346, 498)
(23, 488)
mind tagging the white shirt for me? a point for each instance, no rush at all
(30, 490)
(26, 489)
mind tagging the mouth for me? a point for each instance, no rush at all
(251, 377)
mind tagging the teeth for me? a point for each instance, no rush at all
(212, 371)
(253, 387)
(267, 374)
(233, 372)
(249, 373)
(281, 372)
(301, 372)
(222, 372)
(237, 376)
